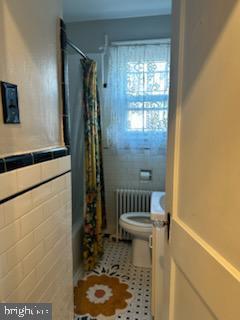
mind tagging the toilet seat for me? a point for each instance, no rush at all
(136, 221)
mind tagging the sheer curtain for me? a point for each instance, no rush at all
(136, 99)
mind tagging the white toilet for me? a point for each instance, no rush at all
(139, 225)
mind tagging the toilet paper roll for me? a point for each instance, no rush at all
(145, 175)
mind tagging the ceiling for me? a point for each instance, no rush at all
(84, 10)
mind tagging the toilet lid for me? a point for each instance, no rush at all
(141, 219)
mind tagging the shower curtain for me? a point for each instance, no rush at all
(94, 191)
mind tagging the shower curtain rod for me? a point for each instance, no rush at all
(142, 42)
(74, 47)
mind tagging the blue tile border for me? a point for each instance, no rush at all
(42, 156)
(27, 159)
(59, 152)
(2, 166)
(19, 161)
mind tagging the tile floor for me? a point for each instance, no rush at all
(139, 280)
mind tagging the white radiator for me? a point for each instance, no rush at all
(128, 200)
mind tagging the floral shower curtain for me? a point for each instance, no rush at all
(94, 189)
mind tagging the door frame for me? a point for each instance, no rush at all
(173, 146)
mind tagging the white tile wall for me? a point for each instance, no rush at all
(21, 179)
(29, 176)
(35, 238)
(50, 169)
(8, 184)
(122, 171)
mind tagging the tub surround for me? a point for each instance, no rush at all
(35, 165)
(19, 180)
(36, 236)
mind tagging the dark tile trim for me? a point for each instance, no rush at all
(19, 161)
(42, 156)
(57, 153)
(65, 88)
(2, 166)
(28, 159)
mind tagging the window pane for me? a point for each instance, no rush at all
(135, 67)
(135, 120)
(135, 83)
(147, 93)
(155, 120)
(156, 104)
(156, 66)
(135, 105)
(156, 83)
(150, 77)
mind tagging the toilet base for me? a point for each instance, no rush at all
(141, 253)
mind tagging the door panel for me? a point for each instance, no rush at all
(196, 309)
(203, 260)
(209, 156)
(215, 280)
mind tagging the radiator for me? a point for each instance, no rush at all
(128, 200)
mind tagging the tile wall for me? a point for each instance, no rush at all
(36, 237)
(122, 171)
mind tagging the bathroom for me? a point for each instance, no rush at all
(128, 168)
(115, 177)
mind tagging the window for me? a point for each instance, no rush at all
(147, 90)
(136, 100)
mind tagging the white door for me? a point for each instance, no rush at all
(202, 275)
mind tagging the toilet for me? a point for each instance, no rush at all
(139, 225)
